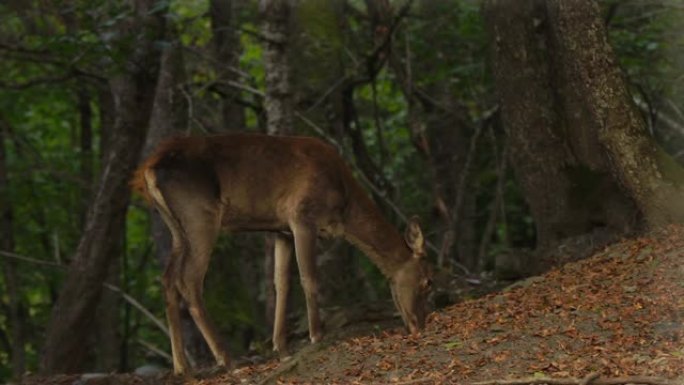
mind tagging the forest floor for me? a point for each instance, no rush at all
(619, 313)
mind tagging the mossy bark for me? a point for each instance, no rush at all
(556, 154)
(579, 146)
(589, 67)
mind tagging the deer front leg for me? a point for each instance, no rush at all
(305, 247)
(281, 279)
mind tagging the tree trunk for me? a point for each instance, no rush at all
(86, 143)
(278, 104)
(170, 117)
(524, 88)
(72, 317)
(562, 170)
(107, 321)
(227, 54)
(604, 105)
(15, 318)
(107, 337)
(227, 49)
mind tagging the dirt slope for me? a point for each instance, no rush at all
(617, 313)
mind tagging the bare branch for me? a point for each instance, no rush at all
(135, 303)
(160, 325)
(37, 82)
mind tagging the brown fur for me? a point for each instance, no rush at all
(176, 144)
(250, 182)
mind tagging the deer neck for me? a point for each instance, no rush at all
(366, 228)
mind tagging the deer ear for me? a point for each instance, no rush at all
(414, 237)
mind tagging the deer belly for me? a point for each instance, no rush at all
(252, 218)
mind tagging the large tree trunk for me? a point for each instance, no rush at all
(559, 163)
(15, 318)
(72, 317)
(600, 101)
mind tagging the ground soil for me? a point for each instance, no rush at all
(618, 313)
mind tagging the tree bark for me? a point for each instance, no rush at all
(645, 172)
(71, 321)
(278, 104)
(226, 41)
(86, 146)
(559, 163)
(522, 76)
(15, 318)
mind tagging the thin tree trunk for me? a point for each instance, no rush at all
(107, 341)
(227, 58)
(227, 49)
(86, 143)
(71, 321)
(278, 104)
(107, 336)
(10, 274)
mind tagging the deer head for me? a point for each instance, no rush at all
(411, 283)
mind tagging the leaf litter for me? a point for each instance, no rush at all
(618, 313)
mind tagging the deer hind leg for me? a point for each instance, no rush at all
(281, 278)
(172, 298)
(201, 232)
(170, 283)
(305, 247)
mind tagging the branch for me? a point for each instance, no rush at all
(135, 303)
(154, 349)
(241, 87)
(372, 59)
(44, 57)
(139, 306)
(36, 82)
(36, 261)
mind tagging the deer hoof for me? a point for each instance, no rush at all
(316, 338)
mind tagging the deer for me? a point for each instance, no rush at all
(298, 188)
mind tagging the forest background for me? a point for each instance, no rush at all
(520, 142)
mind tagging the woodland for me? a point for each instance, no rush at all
(540, 142)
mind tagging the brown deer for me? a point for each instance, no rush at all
(297, 187)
